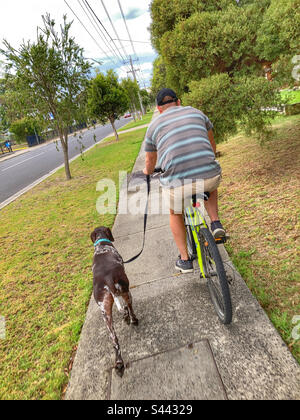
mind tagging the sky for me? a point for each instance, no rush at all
(19, 20)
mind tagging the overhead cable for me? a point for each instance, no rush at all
(104, 29)
(111, 51)
(86, 30)
(118, 38)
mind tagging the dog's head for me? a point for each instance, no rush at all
(102, 233)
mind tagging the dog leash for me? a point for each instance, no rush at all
(145, 221)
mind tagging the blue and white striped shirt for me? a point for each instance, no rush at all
(180, 137)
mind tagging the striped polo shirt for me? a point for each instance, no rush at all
(180, 137)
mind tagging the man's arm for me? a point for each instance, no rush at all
(212, 141)
(151, 159)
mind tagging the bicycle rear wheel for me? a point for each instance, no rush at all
(216, 276)
(192, 251)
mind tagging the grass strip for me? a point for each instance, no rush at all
(45, 270)
(292, 97)
(258, 199)
(145, 120)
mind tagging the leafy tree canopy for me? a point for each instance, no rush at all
(159, 78)
(24, 127)
(132, 89)
(107, 99)
(167, 13)
(224, 47)
(279, 33)
(48, 77)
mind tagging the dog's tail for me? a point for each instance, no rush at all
(117, 299)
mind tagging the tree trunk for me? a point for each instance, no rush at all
(112, 121)
(65, 147)
(133, 114)
(137, 114)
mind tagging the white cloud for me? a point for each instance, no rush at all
(19, 20)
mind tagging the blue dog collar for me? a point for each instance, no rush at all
(102, 240)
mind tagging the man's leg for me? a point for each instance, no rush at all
(179, 233)
(212, 209)
(212, 206)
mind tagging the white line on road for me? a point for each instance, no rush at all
(39, 181)
(23, 161)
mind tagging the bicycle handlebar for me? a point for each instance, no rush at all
(158, 171)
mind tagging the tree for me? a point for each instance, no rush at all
(244, 102)
(279, 32)
(159, 78)
(54, 69)
(146, 99)
(132, 89)
(208, 54)
(25, 127)
(107, 99)
(3, 114)
(278, 38)
(167, 13)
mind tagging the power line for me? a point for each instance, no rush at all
(122, 13)
(104, 29)
(111, 51)
(87, 30)
(100, 31)
(128, 40)
(133, 49)
(118, 38)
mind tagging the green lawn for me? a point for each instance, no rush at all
(258, 206)
(45, 270)
(292, 97)
(145, 120)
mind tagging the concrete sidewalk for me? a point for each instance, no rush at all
(180, 350)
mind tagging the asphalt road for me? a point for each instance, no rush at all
(21, 171)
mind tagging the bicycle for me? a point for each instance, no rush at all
(203, 247)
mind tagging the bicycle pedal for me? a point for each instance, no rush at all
(222, 240)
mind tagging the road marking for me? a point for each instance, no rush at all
(39, 181)
(23, 161)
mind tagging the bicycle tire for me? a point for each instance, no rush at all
(217, 283)
(192, 251)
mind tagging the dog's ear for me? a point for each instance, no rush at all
(109, 234)
(94, 236)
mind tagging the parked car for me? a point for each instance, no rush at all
(127, 115)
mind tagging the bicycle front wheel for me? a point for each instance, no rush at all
(215, 276)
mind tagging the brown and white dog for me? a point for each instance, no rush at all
(110, 284)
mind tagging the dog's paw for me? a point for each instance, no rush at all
(135, 321)
(126, 319)
(120, 369)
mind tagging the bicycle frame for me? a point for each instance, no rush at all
(196, 221)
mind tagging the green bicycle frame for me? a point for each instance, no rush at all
(196, 222)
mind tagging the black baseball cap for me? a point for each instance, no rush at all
(163, 93)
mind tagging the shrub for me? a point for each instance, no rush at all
(247, 102)
(23, 128)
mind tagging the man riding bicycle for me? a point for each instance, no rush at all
(181, 141)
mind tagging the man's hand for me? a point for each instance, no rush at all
(151, 159)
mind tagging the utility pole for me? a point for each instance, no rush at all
(134, 76)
